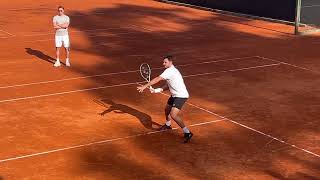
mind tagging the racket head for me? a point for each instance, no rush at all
(145, 71)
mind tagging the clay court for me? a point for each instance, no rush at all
(254, 105)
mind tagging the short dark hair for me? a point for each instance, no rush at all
(169, 57)
(60, 7)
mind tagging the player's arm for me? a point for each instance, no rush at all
(64, 25)
(159, 90)
(55, 25)
(165, 87)
(152, 82)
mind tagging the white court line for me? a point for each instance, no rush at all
(126, 84)
(98, 142)
(174, 51)
(115, 73)
(259, 132)
(12, 35)
(67, 92)
(252, 129)
(101, 35)
(15, 61)
(234, 70)
(131, 27)
(74, 31)
(153, 132)
(296, 66)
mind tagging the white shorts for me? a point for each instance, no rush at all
(62, 40)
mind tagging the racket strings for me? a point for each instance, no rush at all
(145, 71)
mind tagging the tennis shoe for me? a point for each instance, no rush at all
(187, 137)
(165, 127)
(57, 64)
(68, 63)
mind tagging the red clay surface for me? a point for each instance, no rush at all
(254, 106)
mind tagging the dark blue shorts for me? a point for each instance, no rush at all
(176, 102)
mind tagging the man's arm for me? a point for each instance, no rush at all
(64, 25)
(159, 90)
(152, 82)
(55, 25)
(165, 87)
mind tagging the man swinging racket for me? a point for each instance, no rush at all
(179, 95)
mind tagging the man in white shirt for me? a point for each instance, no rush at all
(179, 95)
(61, 23)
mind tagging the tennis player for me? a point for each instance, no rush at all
(179, 95)
(61, 23)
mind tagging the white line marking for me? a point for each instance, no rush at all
(126, 84)
(131, 27)
(115, 73)
(66, 92)
(75, 31)
(252, 129)
(96, 143)
(153, 132)
(66, 79)
(234, 70)
(7, 33)
(98, 35)
(15, 61)
(274, 138)
(296, 66)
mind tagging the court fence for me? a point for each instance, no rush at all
(303, 15)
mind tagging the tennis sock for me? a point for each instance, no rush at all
(168, 123)
(185, 130)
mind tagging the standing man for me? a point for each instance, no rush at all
(179, 95)
(61, 23)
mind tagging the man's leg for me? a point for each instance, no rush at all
(175, 116)
(167, 125)
(66, 43)
(67, 56)
(57, 63)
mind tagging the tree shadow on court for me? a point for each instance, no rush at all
(39, 54)
(139, 30)
(295, 176)
(112, 106)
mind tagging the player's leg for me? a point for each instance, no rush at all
(167, 111)
(66, 43)
(174, 113)
(167, 125)
(58, 43)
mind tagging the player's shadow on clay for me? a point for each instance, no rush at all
(41, 55)
(144, 118)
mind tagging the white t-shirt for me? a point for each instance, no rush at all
(61, 20)
(175, 82)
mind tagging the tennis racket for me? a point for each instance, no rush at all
(145, 72)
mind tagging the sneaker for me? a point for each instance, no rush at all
(57, 64)
(164, 128)
(68, 63)
(187, 137)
